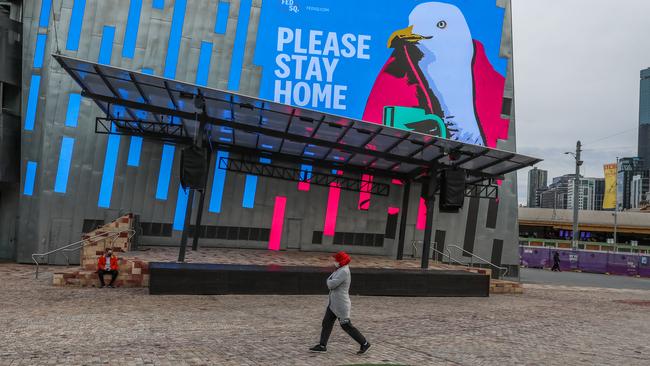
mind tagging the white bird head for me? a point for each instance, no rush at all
(439, 30)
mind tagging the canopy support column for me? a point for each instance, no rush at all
(199, 214)
(406, 192)
(430, 199)
(198, 142)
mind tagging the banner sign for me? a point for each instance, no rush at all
(609, 201)
(428, 66)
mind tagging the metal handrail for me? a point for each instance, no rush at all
(433, 248)
(80, 244)
(415, 247)
(472, 256)
(450, 258)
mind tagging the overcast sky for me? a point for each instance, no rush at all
(577, 65)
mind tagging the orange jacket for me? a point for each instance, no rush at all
(101, 263)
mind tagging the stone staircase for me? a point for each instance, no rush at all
(132, 271)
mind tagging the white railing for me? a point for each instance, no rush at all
(502, 270)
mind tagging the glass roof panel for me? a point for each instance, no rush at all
(258, 124)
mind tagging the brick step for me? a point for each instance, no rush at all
(505, 287)
(132, 273)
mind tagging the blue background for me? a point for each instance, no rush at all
(377, 18)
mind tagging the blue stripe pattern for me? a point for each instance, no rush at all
(220, 26)
(251, 187)
(181, 207)
(158, 4)
(106, 46)
(218, 183)
(65, 159)
(171, 61)
(113, 143)
(30, 178)
(203, 70)
(174, 44)
(32, 102)
(76, 22)
(135, 148)
(39, 52)
(44, 19)
(72, 116)
(108, 175)
(202, 73)
(240, 45)
(165, 173)
(131, 32)
(305, 170)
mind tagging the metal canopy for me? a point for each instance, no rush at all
(151, 106)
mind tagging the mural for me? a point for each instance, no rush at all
(428, 66)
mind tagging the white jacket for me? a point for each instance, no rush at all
(339, 298)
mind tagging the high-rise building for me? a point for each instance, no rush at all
(599, 193)
(537, 179)
(627, 169)
(644, 117)
(587, 198)
(556, 196)
(639, 190)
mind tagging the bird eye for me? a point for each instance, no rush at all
(442, 24)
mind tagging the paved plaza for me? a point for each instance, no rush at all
(548, 325)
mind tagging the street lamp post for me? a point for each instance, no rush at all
(576, 194)
(616, 206)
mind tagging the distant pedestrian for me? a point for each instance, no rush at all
(107, 264)
(339, 306)
(556, 262)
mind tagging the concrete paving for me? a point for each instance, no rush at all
(541, 276)
(548, 325)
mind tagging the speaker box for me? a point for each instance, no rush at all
(194, 167)
(452, 190)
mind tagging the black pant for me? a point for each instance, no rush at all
(328, 324)
(556, 267)
(101, 273)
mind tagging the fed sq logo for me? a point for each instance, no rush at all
(291, 4)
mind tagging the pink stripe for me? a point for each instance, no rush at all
(303, 186)
(278, 221)
(393, 210)
(397, 182)
(364, 195)
(422, 215)
(332, 208)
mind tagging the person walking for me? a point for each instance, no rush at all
(556, 262)
(339, 306)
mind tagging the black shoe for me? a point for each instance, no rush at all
(364, 348)
(110, 286)
(319, 348)
(101, 286)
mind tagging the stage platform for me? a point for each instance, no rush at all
(210, 271)
(372, 275)
(229, 279)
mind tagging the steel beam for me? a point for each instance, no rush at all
(294, 175)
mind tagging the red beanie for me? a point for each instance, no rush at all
(342, 258)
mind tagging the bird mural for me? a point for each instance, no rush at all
(437, 69)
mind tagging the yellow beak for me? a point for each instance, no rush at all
(405, 35)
